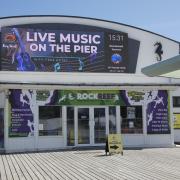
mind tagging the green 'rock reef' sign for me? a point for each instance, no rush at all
(89, 97)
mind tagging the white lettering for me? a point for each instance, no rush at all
(85, 96)
(94, 39)
(80, 38)
(84, 39)
(33, 47)
(65, 38)
(85, 49)
(28, 39)
(50, 37)
(59, 48)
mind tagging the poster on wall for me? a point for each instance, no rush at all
(21, 122)
(64, 50)
(157, 108)
(131, 112)
(157, 114)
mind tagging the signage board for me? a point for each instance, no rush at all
(115, 144)
(64, 49)
(21, 119)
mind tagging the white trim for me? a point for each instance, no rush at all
(79, 78)
(118, 119)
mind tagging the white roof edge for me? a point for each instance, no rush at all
(166, 66)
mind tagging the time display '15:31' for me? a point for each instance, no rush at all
(116, 37)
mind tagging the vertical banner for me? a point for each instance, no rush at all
(157, 113)
(21, 122)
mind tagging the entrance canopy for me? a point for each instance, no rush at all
(167, 68)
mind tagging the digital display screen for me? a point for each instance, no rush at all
(64, 49)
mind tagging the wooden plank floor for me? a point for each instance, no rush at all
(145, 164)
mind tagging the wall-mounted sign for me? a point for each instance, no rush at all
(21, 103)
(89, 97)
(157, 114)
(66, 48)
(21, 121)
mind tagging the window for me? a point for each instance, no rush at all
(176, 101)
(70, 126)
(50, 120)
(131, 119)
(112, 119)
(1, 128)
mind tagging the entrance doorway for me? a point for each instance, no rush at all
(88, 126)
(91, 125)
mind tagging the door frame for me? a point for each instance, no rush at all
(91, 124)
(3, 120)
(91, 114)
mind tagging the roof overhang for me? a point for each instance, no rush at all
(166, 68)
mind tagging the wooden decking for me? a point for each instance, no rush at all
(155, 164)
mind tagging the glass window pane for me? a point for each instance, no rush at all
(112, 120)
(100, 125)
(176, 101)
(83, 126)
(131, 119)
(50, 120)
(1, 128)
(70, 126)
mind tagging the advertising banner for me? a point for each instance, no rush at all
(176, 120)
(21, 122)
(79, 97)
(157, 108)
(89, 97)
(64, 50)
(21, 103)
(157, 113)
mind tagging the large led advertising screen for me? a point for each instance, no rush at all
(64, 49)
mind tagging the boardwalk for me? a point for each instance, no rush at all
(145, 164)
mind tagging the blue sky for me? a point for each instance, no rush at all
(159, 16)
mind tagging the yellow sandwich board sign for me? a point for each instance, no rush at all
(115, 144)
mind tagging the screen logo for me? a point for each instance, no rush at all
(116, 58)
(9, 38)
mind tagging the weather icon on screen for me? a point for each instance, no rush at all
(116, 58)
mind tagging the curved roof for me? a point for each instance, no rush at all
(108, 21)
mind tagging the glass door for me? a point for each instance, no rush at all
(99, 125)
(83, 126)
(91, 124)
(70, 127)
